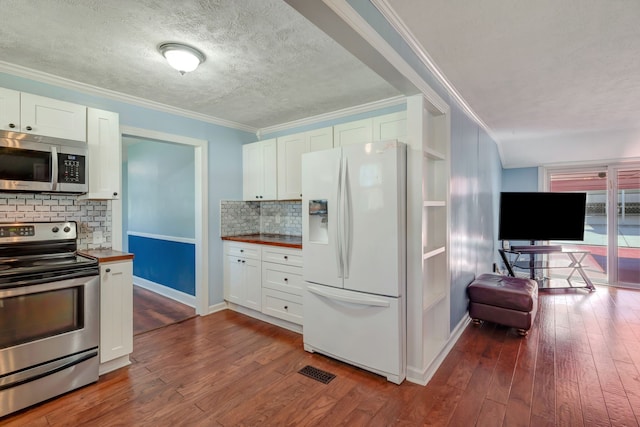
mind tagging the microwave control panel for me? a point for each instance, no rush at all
(71, 168)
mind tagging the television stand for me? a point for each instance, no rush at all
(575, 258)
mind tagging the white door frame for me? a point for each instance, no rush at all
(201, 174)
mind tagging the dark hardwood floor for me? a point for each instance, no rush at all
(579, 366)
(152, 311)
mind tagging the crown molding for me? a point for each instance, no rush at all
(364, 108)
(398, 24)
(51, 79)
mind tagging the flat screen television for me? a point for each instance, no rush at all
(542, 216)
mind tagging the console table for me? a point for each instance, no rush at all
(518, 259)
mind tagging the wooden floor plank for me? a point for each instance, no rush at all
(574, 368)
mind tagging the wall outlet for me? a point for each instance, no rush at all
(97, 237)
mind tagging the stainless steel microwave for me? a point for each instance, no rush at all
(42, 164)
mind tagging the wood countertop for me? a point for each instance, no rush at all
(268, 239)
(106, 255)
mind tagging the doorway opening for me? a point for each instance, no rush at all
(170, 223)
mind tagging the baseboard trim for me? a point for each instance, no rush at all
(165, 291)
(424, 375)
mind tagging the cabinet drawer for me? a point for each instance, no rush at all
(282, 305)
(244, 250)
(282, 278)
(284, 256)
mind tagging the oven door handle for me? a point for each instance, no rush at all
(54, 168)
(44, 284)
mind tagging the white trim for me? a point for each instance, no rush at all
(424, 376)
(201, 177)
(396, 22)
(162, 237)
(362, 27)
(42, 77)
(217, 307)
(165, 291)
(345, 112)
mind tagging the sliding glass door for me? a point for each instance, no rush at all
(626, 226)
(612, 224)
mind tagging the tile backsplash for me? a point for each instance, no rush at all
(91, 215)
(239, 217)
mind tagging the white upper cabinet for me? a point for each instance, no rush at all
(356, 132)
(390, 126)
(290, 151)
(259, 170)
(103, 139)
(37, 115)
(9, 110)
(51, 117)
(380, 128)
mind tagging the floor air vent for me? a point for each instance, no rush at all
(317, 374)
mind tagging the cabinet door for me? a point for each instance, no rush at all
(234, 289)
(116, 308)
(390, 126)
(270, 170)
(253, 284)
(320, 139)
(290, 150)
(103, 139)
(9, 109)
(259, 173)
(353, 133)
(51, 117)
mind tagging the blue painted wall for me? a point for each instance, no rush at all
(476, 172)
(168, 263)
(225, 153)
(161, 188)
(520, 179)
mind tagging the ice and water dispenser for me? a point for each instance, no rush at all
(318, 221)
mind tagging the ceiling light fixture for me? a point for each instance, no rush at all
(181, 57)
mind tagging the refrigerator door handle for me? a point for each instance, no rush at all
(362, 300)
(347, 217)
(339, 230)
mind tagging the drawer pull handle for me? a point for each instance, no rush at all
(239, 260)
(286, 257)
(241, 250)
(108, 270)
(286, 307)
(243, 261)
(286, 280)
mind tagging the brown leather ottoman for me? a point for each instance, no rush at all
(509, 301)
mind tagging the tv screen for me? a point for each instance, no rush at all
(542, 216)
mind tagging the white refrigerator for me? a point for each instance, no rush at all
(353, 243)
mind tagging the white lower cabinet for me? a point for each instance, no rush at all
(282, 290)
(242, 274)
(116, 309)
(264, 278)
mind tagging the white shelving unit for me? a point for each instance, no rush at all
(428, 303)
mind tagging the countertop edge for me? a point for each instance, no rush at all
(106, 255)
(258, 241)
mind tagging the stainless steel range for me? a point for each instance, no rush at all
(49, 313)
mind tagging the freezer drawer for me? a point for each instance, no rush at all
(361, 329)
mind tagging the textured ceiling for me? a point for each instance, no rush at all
(536, 68)
(266, 64)
(528, 69)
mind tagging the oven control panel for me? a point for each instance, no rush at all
(17, 230)
(38, 231)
